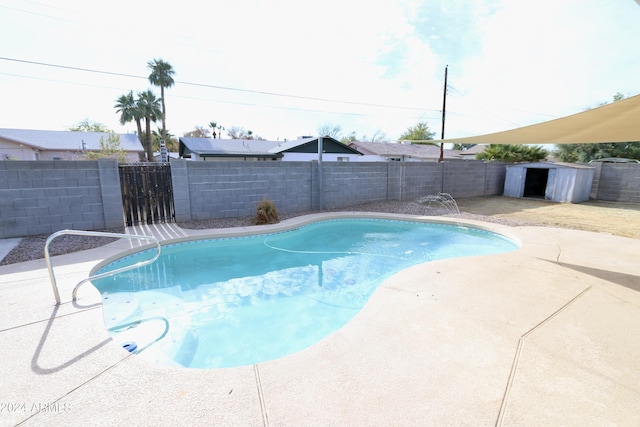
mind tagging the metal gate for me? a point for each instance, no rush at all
(147, 193)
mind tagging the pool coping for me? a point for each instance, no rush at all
(543, 335)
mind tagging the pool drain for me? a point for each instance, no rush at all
(130, 346)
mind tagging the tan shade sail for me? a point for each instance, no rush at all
(615, 122)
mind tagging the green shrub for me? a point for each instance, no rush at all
(266, 213)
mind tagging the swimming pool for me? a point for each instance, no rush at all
(228, 302)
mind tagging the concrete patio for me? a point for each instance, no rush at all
(545, 335)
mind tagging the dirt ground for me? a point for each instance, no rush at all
(622, 219)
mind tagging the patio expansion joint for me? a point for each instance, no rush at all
(38, 350)
(78, 387)
(35, 322)
(516, 358)
(263, 408)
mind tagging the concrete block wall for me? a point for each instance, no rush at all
(111, 194)
(616, 182)
(395, 180)
(181, 198)
(42, 197)
(233, 189)
(597, 170)
(465, 178)
(495, 176)
(421, 179)
(348, 184)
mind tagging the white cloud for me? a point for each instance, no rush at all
(550, 57)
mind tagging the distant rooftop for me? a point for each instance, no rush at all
(417, 151)
(67, 140)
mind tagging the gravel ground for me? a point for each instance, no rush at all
(407, 208)
(32, 247)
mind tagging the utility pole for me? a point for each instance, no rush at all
(444, 109)
(320, 183)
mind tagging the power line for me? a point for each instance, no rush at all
(66, 67)
(496, 115)
(210, 86)
(197, 98)
(41, 14)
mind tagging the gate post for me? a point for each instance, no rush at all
(111, 192)
(181, 192)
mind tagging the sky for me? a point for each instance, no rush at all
(284, 68)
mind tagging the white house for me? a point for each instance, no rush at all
(26, 144)
(302, 149)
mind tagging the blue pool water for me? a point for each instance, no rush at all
(233, 302)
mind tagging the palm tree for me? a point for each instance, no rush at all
(149, 107)
(156, 136)
(161, 73)
(513, 153)
(128, 109)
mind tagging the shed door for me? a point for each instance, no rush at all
(535, 183)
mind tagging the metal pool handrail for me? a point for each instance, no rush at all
(52, 276)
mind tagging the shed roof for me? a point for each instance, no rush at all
(551, 165)
(67, 140)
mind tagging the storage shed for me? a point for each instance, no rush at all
(558, 182)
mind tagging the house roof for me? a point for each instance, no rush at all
(67, 140)
(417, 151)
(226, 147)
(310, 145)
(472, 151)
(210, 147)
